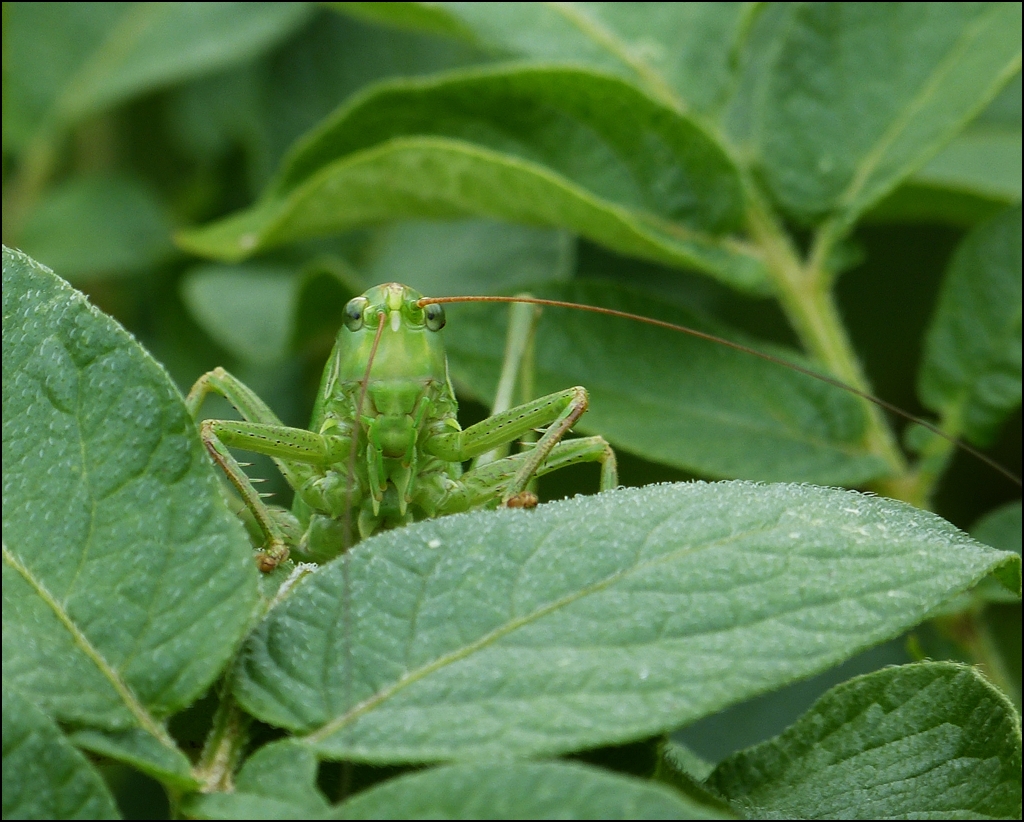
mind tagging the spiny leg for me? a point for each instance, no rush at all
(295, 451)
(558, 411)
(478, 486)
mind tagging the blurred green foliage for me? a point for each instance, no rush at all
(681, 159)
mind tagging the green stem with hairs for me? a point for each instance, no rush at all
(804, 291)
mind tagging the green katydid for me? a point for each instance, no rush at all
(384, 446)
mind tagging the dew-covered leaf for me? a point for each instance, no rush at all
(858, 96)
(127, 582)
(44, 777)
(926, 741)
(541, 790)
(586, 152)
(971, 373)
(671, 398)
(594, 620)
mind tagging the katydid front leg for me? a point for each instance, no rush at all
(299, 454)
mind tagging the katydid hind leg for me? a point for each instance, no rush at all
(480, 486)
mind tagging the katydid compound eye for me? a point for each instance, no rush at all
(354, 313)
(434, 315)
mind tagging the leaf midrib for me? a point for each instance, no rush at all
(510, 626)
(109, 672)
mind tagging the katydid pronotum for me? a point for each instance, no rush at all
(384, 447)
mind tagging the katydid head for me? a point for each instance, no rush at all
(408, 345)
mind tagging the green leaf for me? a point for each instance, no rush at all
(127, 583)
(858, 96)
(595, 620)
(1001, 619)
(266, 105)
(68, 62)
(1000, 528)
(972, 178)
(926, 741)
(44, 776)
(971, 373)
(276, 782)
(542, 790)
(98, 226)
(249, 309)
(685, 771)
(679, 52)
(587, 152)
(142, 751)
(673, 399)
(468, 256)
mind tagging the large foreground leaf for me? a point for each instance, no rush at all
(587, 152)
(674, 399)
(594, 620)
(44, 776)
(857, 96)
(126, 582)
(928, 741)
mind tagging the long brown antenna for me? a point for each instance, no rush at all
(746, 349)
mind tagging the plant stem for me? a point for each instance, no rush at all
(804, 292)
(224, 745)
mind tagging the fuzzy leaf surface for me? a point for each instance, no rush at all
(127, 582)
(44, 777)
(594, 620)
(927, 741)
(277, 782)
